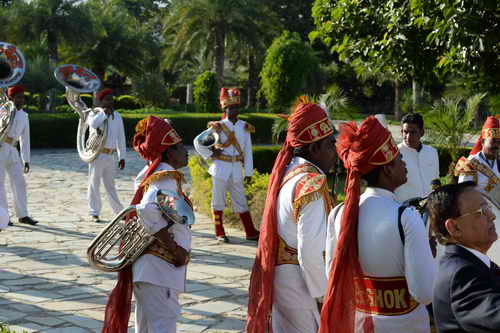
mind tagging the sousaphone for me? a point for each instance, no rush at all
(12, 68)
(78, 80)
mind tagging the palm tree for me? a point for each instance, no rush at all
(191, 24)
(55, 21)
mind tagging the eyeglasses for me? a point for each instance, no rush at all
(483, 210)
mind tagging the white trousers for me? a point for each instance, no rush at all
(103, 168)
(156, 308)
(293, 320)
(236, 191)
(11, 163)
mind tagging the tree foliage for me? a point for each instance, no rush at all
(288, 66)
(205, 92)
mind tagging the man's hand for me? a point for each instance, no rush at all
(217, 152)
(181, 255)
(121, 164)
(26, 167)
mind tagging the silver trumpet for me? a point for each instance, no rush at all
(12, 68)
(77, 80)
(124, 239)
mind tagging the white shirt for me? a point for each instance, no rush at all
(381, 254)
(297, 286)
(422, 167)
(20, 130)
(115, 137)
(483, 257)
(226, 170)
(149, 268)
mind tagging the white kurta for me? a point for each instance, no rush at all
(157, 282)
(482, 182)
(12, 164)
(381, 254)
(228, 176)
(104, 166)
(298, 287)
(423, 168)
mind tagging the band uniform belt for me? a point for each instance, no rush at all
(286, 255)
(228, 158)
(387, 296)
(159, 251)
(10, 141)
(109, 151)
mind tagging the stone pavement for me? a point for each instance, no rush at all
(46, 284)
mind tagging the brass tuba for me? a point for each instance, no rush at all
(77, 80)
(124, 239)
(12, 68)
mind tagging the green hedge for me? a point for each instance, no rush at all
(58, 130)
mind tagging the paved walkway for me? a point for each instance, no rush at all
(46, 284)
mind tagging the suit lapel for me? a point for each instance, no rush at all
(466, 254)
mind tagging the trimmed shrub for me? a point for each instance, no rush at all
(288, 69)
(206, 93)
(127, 102)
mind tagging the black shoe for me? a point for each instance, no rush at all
(95, 218)
(222, 239)
(27, 220)
(11, 224)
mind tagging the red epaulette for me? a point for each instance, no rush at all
(310, 187)
(249, 128)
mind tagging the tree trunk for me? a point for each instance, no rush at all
(252, 79)
(416, 95)
(219, 51)
(52, 49)
(397, 100)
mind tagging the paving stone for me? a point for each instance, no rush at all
(47, 321)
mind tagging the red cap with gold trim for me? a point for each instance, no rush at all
(153, 136)
(491, 130)
(229, 97)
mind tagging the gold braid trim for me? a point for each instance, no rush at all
(311, 187)
(157, 176)
(472, 167)
(249, 128)
(464, 167)
(302, 168)
(140, 128)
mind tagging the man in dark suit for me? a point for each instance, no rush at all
(466, 295)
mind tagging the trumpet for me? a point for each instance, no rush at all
(12, 68)
(77, 80)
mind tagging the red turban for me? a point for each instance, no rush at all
(153, 136)
(229, 97)
(491, 130)
(362, 149)
(307, 124)
(15, 90)
(103, 93)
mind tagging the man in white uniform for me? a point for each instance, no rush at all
(422, 162)
(232, 163)
(159, 274)
(103, 167)
(288, 280)
(390, 275)
(482, 167)
(9, 158)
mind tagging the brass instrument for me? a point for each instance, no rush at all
(12, 68)
(77, 80)
(208, 138)
(124, 239)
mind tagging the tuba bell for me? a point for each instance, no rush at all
(124, 239)
(12, 68)
(208, 138)
(77, 80)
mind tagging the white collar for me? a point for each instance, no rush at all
(164, 167)
(377, 191)
(483, 257)
(300, 160)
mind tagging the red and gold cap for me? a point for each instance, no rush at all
(153, 136)
(15, 90)
(103, 93)
(229, 97)
(491, 130)
(308, 123)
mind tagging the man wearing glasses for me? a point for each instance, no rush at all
(466, 295)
